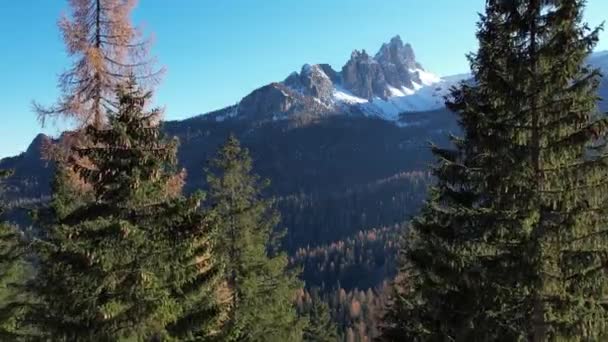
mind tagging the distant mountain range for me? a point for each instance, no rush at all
(346, 150)
(385, 85)
(388, 85)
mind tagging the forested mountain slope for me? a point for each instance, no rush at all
(339, 158)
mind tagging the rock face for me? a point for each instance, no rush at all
(314, 81)
(396, 52)
(398, 63)
(363, 76)
(383, 85)
(36, 146)
(333, 75)
(268, 100)
(394, 65)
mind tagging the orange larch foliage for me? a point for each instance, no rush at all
(106, 49)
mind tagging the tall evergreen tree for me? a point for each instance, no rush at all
(511, 244)
(131, 258)
(262, 290)
(321, 327)
(12, 274)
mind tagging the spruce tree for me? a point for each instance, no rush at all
(12, 274)
(130, 259)
(261, 289)
(511, 243)
(321, 327)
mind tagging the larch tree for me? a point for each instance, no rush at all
(512, 243)
(131, 259)
(106, 50)
(262, 290)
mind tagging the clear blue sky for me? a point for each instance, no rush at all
(216, 51)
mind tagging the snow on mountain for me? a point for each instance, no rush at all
(429, 94)
(427, 78)
(341, 95)
(385, 85)
(425, 96)
(388, 85)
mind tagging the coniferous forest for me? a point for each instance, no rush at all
(227, 227)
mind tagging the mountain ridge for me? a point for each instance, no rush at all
(315, 148)
(384, 85)
(387, 85)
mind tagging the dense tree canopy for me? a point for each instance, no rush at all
(13, 272)
(131, 257)
(262, 290)
(511, 243)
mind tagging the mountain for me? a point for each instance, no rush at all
(385, 85)
(31, 172)
(346, 150)
(600, 60)
(333, 175)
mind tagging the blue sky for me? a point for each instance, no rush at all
(216, 51)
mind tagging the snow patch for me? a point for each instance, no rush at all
(407, 91)
(421, 97)
(428, 78)
(396, 92)
(392, 107)
(314, 69)
(417, 86)
(341, 95)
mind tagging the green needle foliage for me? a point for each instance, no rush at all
(321, 327)
(13, 271)
(261, 292)
(124, 255)
(512, 243)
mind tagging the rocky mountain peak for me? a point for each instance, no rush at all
(395, 52)
(363, 76)
(399, 63)
(271, 99)
(394, 65)
(36, 146)
(360, 55)
(315, 80)
(391, 81)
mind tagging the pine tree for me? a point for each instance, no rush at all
(511, 244)
(107, 49)
(262, 290)
(12, 274)
(131, 258)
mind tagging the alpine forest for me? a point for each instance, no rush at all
(375, 202)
